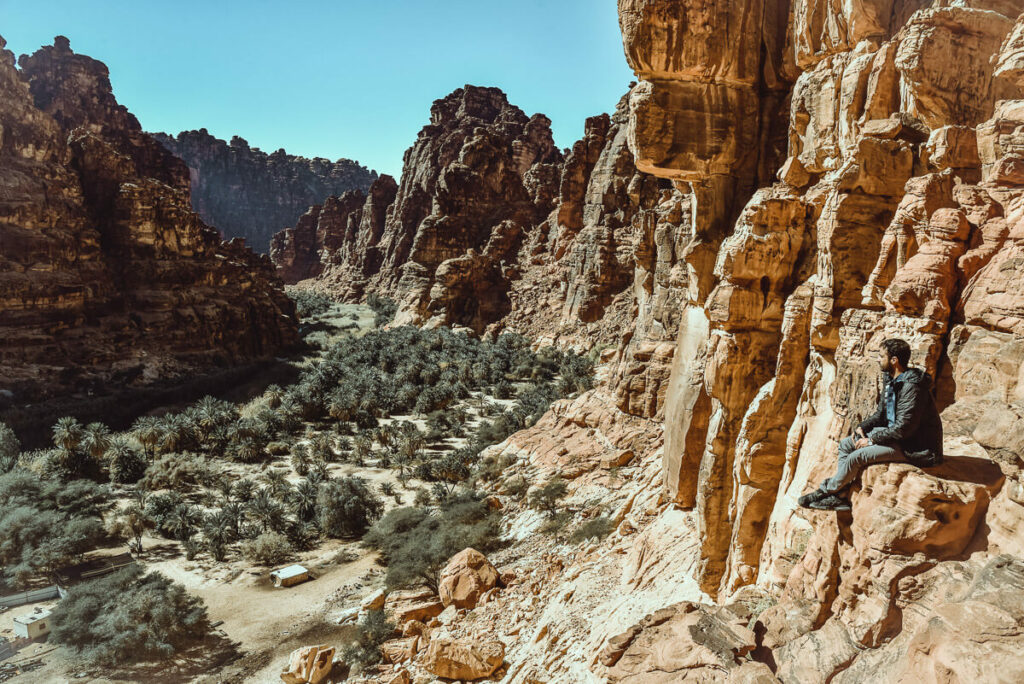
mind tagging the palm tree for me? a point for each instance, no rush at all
(338, 408)
(277, 483)
(183, 522)
(217, 528)
(225, 485)
(300, 460)
(146, 429)
(361, 449)
(209, 413)
(266, 510)
(172, 432)
(304, 500)
(320, 447)
(124, 462)
(273, 394)
(95, 440)
(318, 471)
(387, 435)
(67, 433)
(243, 490)
(233, 514)
(132, 523)
(248, 451)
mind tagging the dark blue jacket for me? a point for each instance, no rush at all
(916, 427)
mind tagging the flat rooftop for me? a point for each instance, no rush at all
(290, 571)
(32, 617)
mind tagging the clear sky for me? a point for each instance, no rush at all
(335, 79)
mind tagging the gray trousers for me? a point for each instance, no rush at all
(852, 461)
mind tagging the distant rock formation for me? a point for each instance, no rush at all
(106, 274)
(245, 192)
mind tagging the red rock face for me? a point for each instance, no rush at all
(828, 176)
(478, 178)
(106, 270)
(247, 193)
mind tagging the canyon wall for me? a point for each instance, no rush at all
(107, 277)
(245, 192)
(788, 184)
(893, 214)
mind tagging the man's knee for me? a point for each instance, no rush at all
(847, 446)
(875, 453)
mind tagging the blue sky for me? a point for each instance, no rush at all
(335, 79)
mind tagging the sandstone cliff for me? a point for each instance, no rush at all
(893, 213)
(247, 193)
(788, 184)
(105, 272)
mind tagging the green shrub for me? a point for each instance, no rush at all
(179, 472)
(416, 543)
(596, 528)
(45, 525)
(270, 548)
(128, 617)
(309, 304)
(278, 449)
(546, 498)
(555, 524)
(372, 631)
(347, 507)
(125, 463)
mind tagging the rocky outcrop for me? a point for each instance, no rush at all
(463, 659)
(309, 665)
(466, 577)
(707, 641)
(106, 272)
(246, 193)
(338, 235)
(477, 178)
(892, 215)
(580, 251)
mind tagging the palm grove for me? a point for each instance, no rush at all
(363, 402)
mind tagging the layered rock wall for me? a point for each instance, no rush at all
(106, 272)
(892, 214)
(246, 193)
(831, 174)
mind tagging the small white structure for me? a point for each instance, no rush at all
(286, 577)
(36, 624)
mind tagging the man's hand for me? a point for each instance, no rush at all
(862, 442)
(859, 432)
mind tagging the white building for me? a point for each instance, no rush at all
(34, 625)
(286, 577)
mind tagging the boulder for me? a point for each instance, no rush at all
(682, 642)
(463, 658)
(374, 601)
(309, 665)
(467, 575)
(397, 677)
(412, 604)
(400, 650)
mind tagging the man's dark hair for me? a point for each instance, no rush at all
(898, 348)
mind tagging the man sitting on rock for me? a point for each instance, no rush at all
(905, 428)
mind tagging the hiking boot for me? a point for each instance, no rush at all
(831, 502)
(807, 499)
